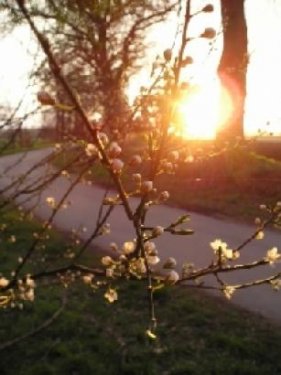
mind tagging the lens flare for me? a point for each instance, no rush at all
(203, 110)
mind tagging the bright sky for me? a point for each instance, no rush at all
(264, 76)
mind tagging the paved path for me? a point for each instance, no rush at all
(83, 211)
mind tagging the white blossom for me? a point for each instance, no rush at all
(228, 291)
(107, 261)
(128, 247)
(272, 255)
(91, 150)
(3, 282)
(111, 295)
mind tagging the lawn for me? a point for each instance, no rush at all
(197, 334)
(233, 182)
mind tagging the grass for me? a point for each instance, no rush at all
(233, 183)
(16, 147)
(197, 334)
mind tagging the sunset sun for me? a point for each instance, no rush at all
(203, 110)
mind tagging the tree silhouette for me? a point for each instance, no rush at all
(233, 64)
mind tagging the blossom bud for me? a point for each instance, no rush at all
(157, 231)
(164, 196)
(117, 165)
(170, 263)
(167, 54)
(153, 260)
(114, 150)
(147, 187)
(45, 99)
(135, 160)
(208, 8)
(91, 150)
(172, 277)
(209, 33)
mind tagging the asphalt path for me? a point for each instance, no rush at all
(82, 212)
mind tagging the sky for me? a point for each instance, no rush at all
(263, 105)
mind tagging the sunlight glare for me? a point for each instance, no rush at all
(203, 110)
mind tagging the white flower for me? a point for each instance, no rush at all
(105, 229)
(276, 284)
(117, 165)
(172, 277)
(91, 150)
(170, 263)
(107, 261)
(272, 255)
(30, 282)
(147, 186)
(217, 245)
(260, 235)
(228, 291)
(51, 202)
(3, 282)
(111, 295)
(220, 248)
(87, 279)
(140, 265)
(128, 247)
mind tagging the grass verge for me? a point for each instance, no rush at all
(198, 334)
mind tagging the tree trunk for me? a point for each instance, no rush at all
(233, 64)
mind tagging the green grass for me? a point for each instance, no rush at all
(16, 147)
(233, 183)
(197, 334)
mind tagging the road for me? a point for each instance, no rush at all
(83, 210)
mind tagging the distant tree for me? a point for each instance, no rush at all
(99, 46)
(233, 64)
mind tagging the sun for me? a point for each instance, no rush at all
(203, 109)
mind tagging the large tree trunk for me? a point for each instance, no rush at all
(233, 64)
